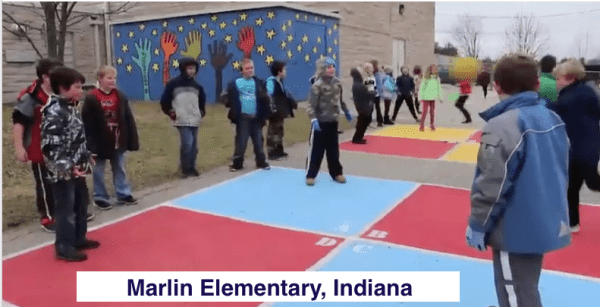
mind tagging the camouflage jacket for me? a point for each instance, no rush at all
(63, 140)
(325, 100)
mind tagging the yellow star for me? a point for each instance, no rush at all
(119, 61)
(270, 34)
(334, 56)
(299, 48)
(283, 44)
(243, 16)
(289, 54)
(180, 28)
(191, 21)
(318, 39)
(261, 49)
(335, 26)
(307, 57)
(329, 31)
(271, 15)
(202, 62)
(118, 34)
(175, 63)
(305, 17)
(322, 56)
(131, 34)
(335, 41)
(204, 25)
(297, 16)
(223, 25)
(228, 38)
(259, 22)
(129, 68)
(154, 32)
(236, 65)
(211, 32)
(155, 67)
(316, 18)
(142, 27)
(283, 27)
(165, 24)
(315, 49)
(124, 48)
(269, 59)
(289, 22)
(234, 22)
(156, 51)
(323, 20)
(214, 18)
(290, 37)
(305, 39)
(329, 49)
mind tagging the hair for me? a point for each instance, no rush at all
(388, 70)
(44, 66)
(356, 73)
(366, 66)
(417, 70)
(277, 67)
(104, 70)
(64, 77)
(375, 64)
(516, 73)
(428, 73)
(547, 63)
(244, 62)
(572, 69)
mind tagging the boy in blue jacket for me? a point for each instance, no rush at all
(519, 194)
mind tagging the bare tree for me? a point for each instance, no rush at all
(525, 35)
(580, 45)
(467, 34)
(58, 17)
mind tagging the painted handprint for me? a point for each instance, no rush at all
(168, 44)
(218, 59)
(143, 61)
(193, 45)
(246, 40)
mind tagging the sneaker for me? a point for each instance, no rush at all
(340, 179)
(72, 256)
(129, 200)
(232, 168)
(102, 204)
(264, 166)
(310, 181)
(363, 141)
(276, 158)
(285, 154)
(88, 244)
(575, 229)
(90, 216)
(195, 173)
(48, 225)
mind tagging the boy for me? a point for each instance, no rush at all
(579, 107)
(406, 88)
(183, 100)
(548, 89)
(27, 119)
(69, 160)
(250, 107)
(519, 194)
(324, 101)
(465, 90)
(284, 105)
(110, 131)
(363, 101)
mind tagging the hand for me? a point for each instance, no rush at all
(21, 154)
(93, 159)
(193, 45)
(202, 113)
(78, 172)
(144, 54)
(348, 115)
(218, 55)
(476, 239)
(246, 40)
(315, 125)
(168, 43)
(172, 115)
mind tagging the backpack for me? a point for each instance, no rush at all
(389, 84)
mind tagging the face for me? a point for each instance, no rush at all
(368, 69)
(562, 81)
(190, 70)
(74, 93)
(330, 71)
(108, 81)
(405, 71)
(46, 81)
(433, 69)
(283, 72)
(248, 70)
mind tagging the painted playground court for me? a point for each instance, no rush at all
(271, 221)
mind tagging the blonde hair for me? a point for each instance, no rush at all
(104, 70)
(428, 74)
(571, 69)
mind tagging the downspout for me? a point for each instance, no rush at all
(107, 34)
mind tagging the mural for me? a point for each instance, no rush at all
(147, 53)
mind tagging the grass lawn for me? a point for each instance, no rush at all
(155, 163)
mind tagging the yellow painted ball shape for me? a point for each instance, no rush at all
(465, 68)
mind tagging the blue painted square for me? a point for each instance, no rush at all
(476, 277)
(281, 197)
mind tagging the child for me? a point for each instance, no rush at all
(430, 90)
(370, 83)
(406, 87)
(110, 131)
(388, 92)
(547, 88)
(284, 106)
(68, 160)
(363, 101)
(465, 90)
(183, 100)
(417, 73)
(324, 102)
(379, 75)
(519, 194)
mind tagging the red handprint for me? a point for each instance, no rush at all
(168, 44)
(246, 42)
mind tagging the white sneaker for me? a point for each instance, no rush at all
(575, 229)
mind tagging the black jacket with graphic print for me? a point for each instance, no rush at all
(63, 139)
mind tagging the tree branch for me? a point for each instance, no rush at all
(24, 32)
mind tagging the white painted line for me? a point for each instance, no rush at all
(7, 304)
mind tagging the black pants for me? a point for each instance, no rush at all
(71, 198)
(386, 110)
(324, 142)
(43, 190)
(578, 173)
(485, 88)
(377, 103)
(248, 127)
(517, 277)
(417, 104)
(460, 104)
(409, 102)
(362, 122)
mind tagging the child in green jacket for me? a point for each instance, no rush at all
(430, 91)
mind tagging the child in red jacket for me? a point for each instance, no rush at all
(465, 90)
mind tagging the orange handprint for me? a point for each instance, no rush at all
(168, 44)
(246, 42)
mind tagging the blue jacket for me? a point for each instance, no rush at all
(519, 194)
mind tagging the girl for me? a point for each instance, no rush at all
(430, 91)
(389, 92)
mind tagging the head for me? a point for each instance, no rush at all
(188, 67)
(356, 75)
(431, 71)
(67, 83)
(404, 70)
(278, 69)
(43, 68)
(325, 67)
(107, 78)
(247, 68)
(368, 69)
(417, 70)
(515, 73)
(389, 71)
(375, 64)
(568, 72)
(547, 64)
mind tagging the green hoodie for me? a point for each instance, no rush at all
(431, 89)
(548, 87)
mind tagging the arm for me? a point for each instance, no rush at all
(166, 101)
(412, 85)
(313, 100)
(88, 116)
(202, 100)
(20, 151)
(439, 89)
(54, 143)
(270, 86)
(133, 142)
(343, 104)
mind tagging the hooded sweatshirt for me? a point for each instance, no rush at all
(363, 99)
(185, 97)
(325, 97)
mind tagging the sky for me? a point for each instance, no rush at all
(563, 32)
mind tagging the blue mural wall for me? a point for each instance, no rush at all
(147, 53)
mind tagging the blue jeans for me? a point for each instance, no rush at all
(246, 128)
(122, 187)
(188, 150)
(71, 198)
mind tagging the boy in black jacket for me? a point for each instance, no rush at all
(283, 105)
(406, 88)
(363, 101)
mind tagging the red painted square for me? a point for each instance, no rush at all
(476, 137)
(162, 239)
(435, 218)
(400, 147)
